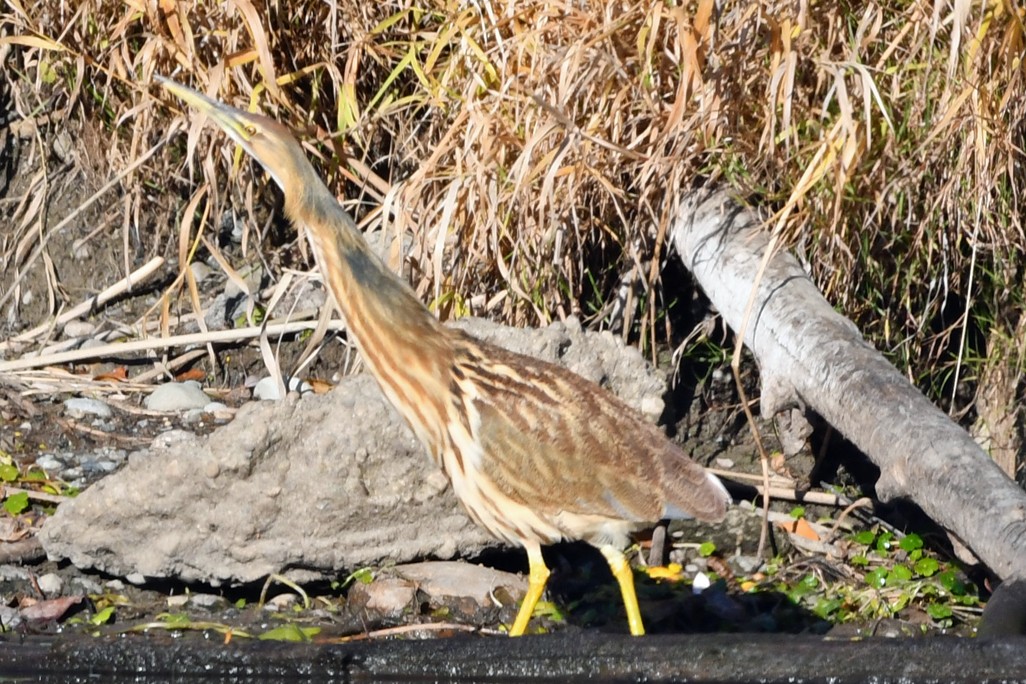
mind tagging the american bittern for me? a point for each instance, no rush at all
(535, 453)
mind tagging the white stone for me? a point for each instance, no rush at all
(200, 271)
(266, 389)
(177, 601)
(177, 396)
(80, 407)
(49, 463)
(50, 584)
(79, 329)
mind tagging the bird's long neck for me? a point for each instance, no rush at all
(403, 344)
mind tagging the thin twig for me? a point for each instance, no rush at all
(121, 348)
(406, 629)
(7, 490)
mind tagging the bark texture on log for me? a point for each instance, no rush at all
(810, 356)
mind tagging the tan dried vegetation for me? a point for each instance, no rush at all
(534, 150)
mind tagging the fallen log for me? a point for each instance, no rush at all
(811, 357)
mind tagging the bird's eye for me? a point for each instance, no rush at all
(251, 130)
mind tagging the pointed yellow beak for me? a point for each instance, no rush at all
(230, 119)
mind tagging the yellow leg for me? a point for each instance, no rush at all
(623, 574)
(536, 580)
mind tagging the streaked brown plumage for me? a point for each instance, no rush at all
(534, 452)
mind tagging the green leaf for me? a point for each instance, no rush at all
(16, 503)
(706, 549)
(825, 607)
(102, 617)
(884, 543)
(798, 512)
(8, 472)
(290, 632)
(240, 604)
(877, 578)
(864, 537)
(550, 610)
(860, 561)
(899, 574)
(939, 611)
(927, 567)
(175, 620)
(807, 585)
(911, 543)
(950, 581)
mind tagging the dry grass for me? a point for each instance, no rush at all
(533, 150)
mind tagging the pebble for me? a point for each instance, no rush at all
(387, 597)
(652, 407)
(748, 565)
(12, 573)
(266, 389)
(251, 279)
(200, 271)
(78, 329)
(87, 585)
(115, 585)
(50, 584)
(80, 407)
(9, 617)
(448, 580)
(177, 601)
(177, 396)
(219, 412)
(169, 438)
(49, 463)
(207, 601)
(725, 463)
(281, 602)
(136, 578)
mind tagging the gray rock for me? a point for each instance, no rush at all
(12, 573)
(78, 328)
(177, 601)
(266, 388)
(200, 271)
(177, 396)
(446, 581)
(81, 407)
(49, 463)
(384, 598)
(9, 617)
(207, 601)
(222, 508)
(281, 602)
(50, 584)
(86, 585)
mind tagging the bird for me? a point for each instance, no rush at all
(535, 453)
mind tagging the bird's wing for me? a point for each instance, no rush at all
(556, 442)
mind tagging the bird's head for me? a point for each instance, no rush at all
(264, 139)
